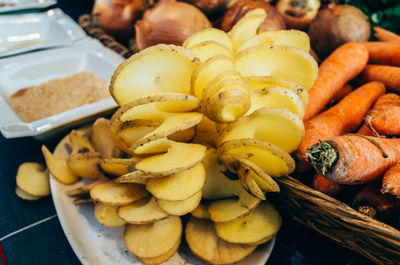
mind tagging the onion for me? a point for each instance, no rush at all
(169, 22)
(298, 13)
(273, 21)
(336, 25)
(208, 6)
(116, 17)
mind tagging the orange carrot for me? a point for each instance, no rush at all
(344, 117)
(326, 186)
(345, 63)
(366, 130)
(354, 159)
(344, 91)
(386, 53)
(391, 181)
(386, 35)
(388, 75)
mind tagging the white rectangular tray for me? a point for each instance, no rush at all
(15, 5)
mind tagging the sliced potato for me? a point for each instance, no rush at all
(85, 165)
(209, 34)
(162, 258)
(114, 194)
(145, 211)
(205, 244)
(180, 157)
(207, 49)
(247, 26)
(114, 167)
(84, 189)
(201, 211)
(140, 76)
(33, 178)
(261, 224)
(246, 176)
(58, 167)
(102, 140)
(79, 142)
(183, 136)
(26, 196)
(217, 185)
(293, 38)
(153, 240)
(154, 147)
(206, 132)
(107, 215)
(138, 177)
(180, 207)
(180, 186)
(279, 62)
(273, 125)
(220, 84)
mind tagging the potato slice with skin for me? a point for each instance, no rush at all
(207, 49)
(114, 167)
(33, 178)
(293, 38)
(279, 62)
(138, 177)
(274, 125)
(180, 186)
(154, 147)
(26, 196)
(180, 157)
(153, 240)
(79, 143)
(183, 136)
(85, 165)
(58, 167)
(246, 176)
(140, 77)
(217, 185)
(102, 140)
(247, 26)
(261, 224)
(220, 84)
(215, 250)
(145, 211)
(206, 132)
(209, 34)
(180, 207)
(107, 215)
(162, 258)
(85, 189)
(201, 211)
(114, 194)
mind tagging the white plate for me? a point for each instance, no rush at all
(14, 5)
(26, 32)
(95, 244)
(26, 70)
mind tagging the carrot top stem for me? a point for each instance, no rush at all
(323, 156)
(367, 210)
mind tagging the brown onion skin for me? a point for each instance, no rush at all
(169, 22)
(273, 21)
(298, 14)
(336, 25)
(208, 6)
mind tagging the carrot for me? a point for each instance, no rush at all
(344, 117)
(387, 53)
(326, 186)
(344, 91)
(388, 75)
(345, 63)
(354, 159)
(386, 35)
(391, 181)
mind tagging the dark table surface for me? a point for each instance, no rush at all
(30, 233)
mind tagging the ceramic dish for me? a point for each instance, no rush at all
(35, 68)
(14, 5)
(26, 32)
(95, 244)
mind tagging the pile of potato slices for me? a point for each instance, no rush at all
(203, 130)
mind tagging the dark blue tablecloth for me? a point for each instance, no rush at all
(30, 233)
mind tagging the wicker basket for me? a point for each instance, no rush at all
(330, 217)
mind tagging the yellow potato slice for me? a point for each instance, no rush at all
(261, 224)
(79, 143)
(107, 215)
(206, 132)
(102, 140)
(26, 196)
(274, 125)
(58, 167)
(114, 194)
(209, 34)
(180, 186)
(114, 167)
(162, 258)
(218, 84)
(207, 49)
(138, 177)
(179, 157)
(247, 26)
(153, 240)
(84, 189)
(140, 76)
(180, 207)
(201, 211)
(85, 165)
(145, 211)
(183, 136)
(279, 62)
(293, 38)
(33, 178)
(154, 147)
(246, 176)
(206, 245)
(217, 185)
